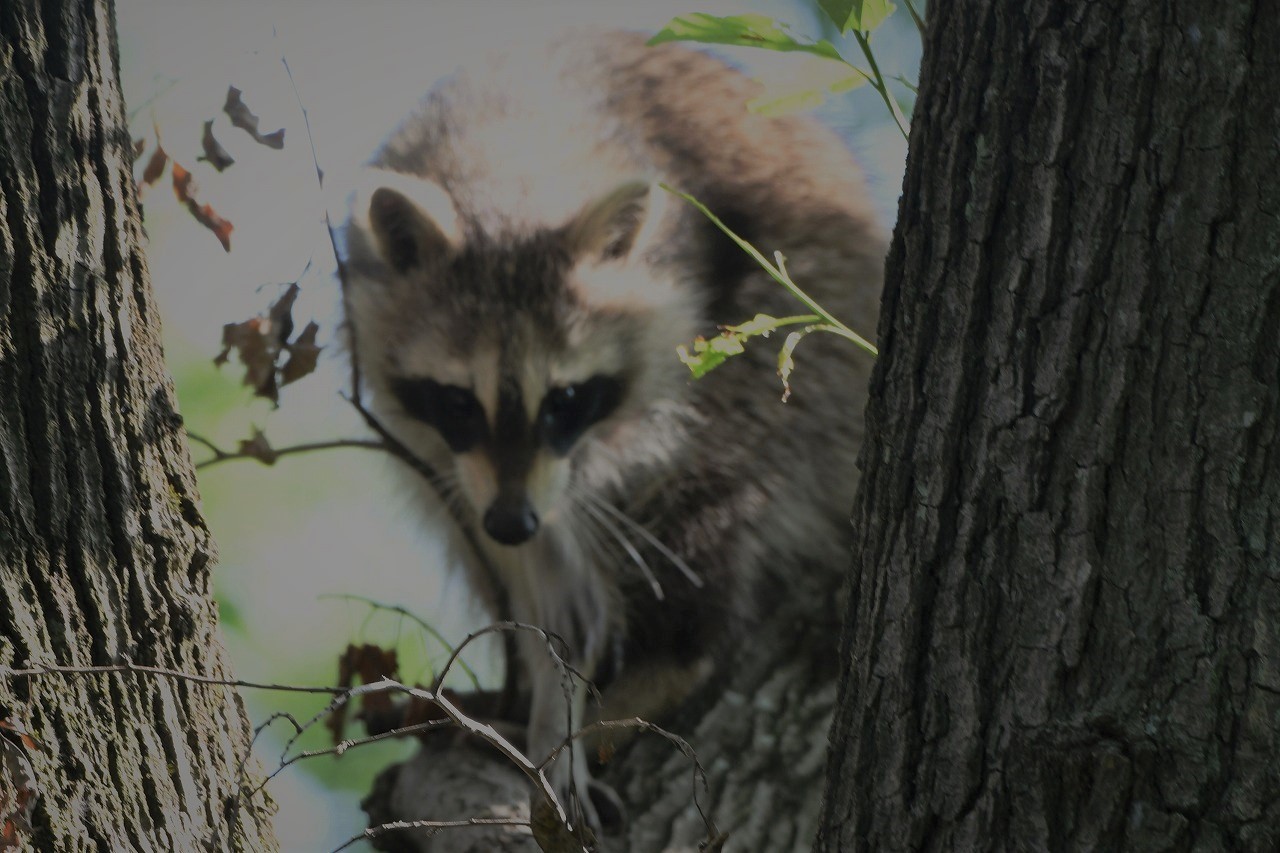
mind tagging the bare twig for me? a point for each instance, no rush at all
(306, 119)
(375, 831)
(141, 669)
(221, 455)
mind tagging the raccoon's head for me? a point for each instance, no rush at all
(511, 356)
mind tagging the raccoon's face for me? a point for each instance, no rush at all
(507, 360)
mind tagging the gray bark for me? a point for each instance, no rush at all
(104, 556)
(1064, 626)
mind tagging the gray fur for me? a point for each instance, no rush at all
(539, 158)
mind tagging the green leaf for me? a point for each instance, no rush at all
(710, 354)
(869, 14)
(741, 30)
(861, 15)
(838, 11)
(805, 92)
(791, 102)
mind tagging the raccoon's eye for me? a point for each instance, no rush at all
(453, 411)
(567, 412)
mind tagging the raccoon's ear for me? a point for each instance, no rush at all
(616, 225)
(408, 230)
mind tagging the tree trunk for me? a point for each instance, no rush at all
(104, 556)
(1064, 624)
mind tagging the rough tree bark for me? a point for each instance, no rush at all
(1064, 625)
(104, 556)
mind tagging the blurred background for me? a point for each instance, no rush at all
(307, 543)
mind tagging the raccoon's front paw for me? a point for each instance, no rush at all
(591, 803)
(610, 812)
(572, 784)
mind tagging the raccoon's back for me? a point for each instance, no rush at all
(523, 141)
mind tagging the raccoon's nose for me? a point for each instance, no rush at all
(510, 520)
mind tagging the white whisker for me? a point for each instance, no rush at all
(647, 536)
(618, 536)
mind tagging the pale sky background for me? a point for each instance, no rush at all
(332, 523)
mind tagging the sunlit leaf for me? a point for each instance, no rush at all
(861, 15)
(741, 30)
(803, 83)
(707, 355)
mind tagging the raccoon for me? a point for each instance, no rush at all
(517, 287)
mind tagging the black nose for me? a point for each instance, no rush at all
(510, 521)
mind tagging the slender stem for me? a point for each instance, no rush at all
(779, 274)
(864, 42)
(915, 16)
(795, 320)
(850, 335)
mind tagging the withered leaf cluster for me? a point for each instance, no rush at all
(213, 153)
(271, 360)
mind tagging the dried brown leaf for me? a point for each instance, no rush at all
(214, 154)
(17, 786)
(261, 340)
(256, 346)
(184, 184)
(552, 835)
(244, 119)
(185, 188)
(274, 139)
(209, 218)
(375, 663)
(154, 168)
(257, 447)
(367, 663)
(281, 313)
(303, 355)
(714, 844)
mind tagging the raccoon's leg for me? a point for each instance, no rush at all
(650, 691)
(553, 717)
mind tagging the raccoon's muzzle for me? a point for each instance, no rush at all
(510, 519)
